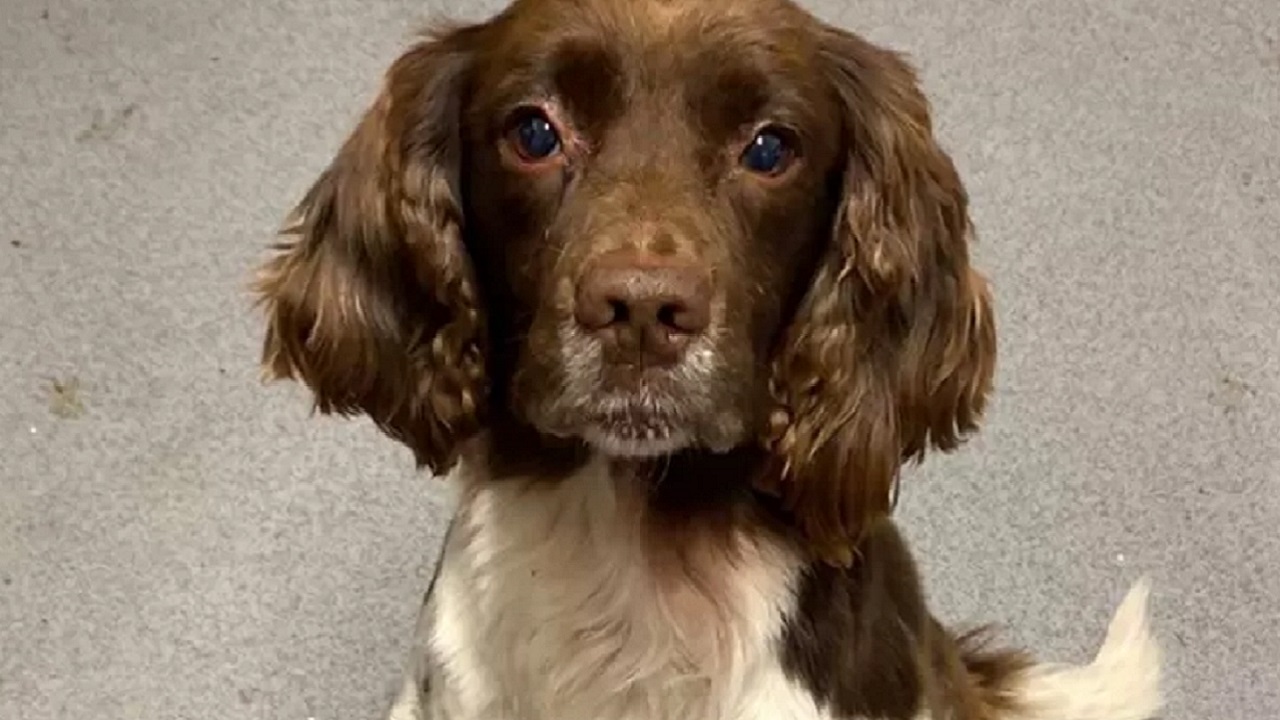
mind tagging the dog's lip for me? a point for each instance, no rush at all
(638, 423)
(635, 419)
(634, 411)
(633, 422)
(644, 436)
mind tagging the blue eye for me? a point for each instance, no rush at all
(536, 137)
(768, 154)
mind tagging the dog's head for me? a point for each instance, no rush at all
(652, 227)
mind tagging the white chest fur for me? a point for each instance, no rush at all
(560, 601)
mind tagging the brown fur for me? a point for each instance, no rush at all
(375, 301)
(427, 277)
(979, 678)
(894, 347)
(867, 644)
(371, 300)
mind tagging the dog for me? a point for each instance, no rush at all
(670, 291)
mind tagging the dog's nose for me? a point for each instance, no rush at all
(644, 303)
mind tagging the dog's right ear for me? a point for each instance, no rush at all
(371, 299)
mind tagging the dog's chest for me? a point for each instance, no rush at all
(558, 601)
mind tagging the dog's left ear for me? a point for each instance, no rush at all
(893, 349)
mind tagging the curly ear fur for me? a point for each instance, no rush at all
(371, 300)
(893, 349)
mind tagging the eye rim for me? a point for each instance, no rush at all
(515, 141)
(790, 142)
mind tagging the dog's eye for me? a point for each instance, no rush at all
(535, 137)
(769, 153)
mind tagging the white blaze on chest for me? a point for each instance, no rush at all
(558, 600)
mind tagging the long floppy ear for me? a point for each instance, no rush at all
(893, 349)
(370, 298)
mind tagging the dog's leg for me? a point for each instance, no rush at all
(415, 698)
(414, 689)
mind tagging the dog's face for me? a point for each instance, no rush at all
(647, 188)
(651, 226)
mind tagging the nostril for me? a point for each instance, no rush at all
(669, 315)
(620, 311)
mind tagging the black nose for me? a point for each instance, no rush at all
(644, 303)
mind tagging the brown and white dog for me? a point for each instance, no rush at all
(669, 290)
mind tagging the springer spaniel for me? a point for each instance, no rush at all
(669, 290)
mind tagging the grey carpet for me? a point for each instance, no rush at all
(177, 541)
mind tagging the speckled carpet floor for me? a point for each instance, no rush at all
(177, 541)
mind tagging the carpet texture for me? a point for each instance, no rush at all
(178, 541)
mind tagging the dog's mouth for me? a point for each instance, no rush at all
(633, 430)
